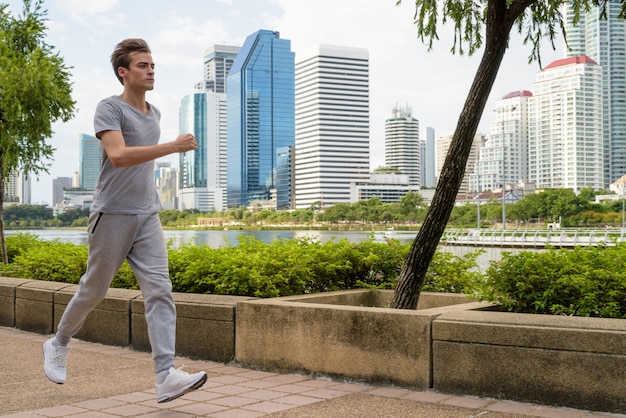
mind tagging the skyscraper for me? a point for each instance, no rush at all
(565, 137)
(503, 159)
(202, 176)
(89, 161)
(443, 144)
(428, 160)
(166, 182)
(402, 144)
(17, 188)
(58, 184)
(332, 124)
(260, 116)
(604, 41)
(218, 60)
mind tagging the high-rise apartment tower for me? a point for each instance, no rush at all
(604, 41)
(402, 144)
(332, 124)
(565, 136)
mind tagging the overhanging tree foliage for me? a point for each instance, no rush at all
(35, 92)
(535, 20)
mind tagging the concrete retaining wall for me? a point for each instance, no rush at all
(559, 360)
(318, 334)
(205, 323)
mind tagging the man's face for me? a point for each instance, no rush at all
(140, 74)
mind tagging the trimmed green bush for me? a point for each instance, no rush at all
(31, 257)
(585, 281)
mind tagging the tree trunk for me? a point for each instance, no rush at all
(423, 249)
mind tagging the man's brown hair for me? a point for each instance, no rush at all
(121, 55)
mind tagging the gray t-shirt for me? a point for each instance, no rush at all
(126, 190)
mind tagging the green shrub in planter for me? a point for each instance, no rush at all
(34, 258)
(585, 281)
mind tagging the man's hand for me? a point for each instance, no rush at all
(185, 142)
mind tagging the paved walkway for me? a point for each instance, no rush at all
(108, 381)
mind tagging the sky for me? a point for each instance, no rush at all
(403, 72)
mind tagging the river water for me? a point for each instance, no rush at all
(219, 238)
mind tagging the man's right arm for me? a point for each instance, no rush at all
(121, 155)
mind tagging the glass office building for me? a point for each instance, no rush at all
(260, 116)
(193, 119)
(90, 159)
(285, 178)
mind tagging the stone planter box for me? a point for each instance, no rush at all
(558, 360)
(450, 344)
(343, 334)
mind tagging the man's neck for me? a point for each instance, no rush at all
(136, 100)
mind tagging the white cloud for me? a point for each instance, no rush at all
(85, 11)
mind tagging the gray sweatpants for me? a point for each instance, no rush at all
(140, 240)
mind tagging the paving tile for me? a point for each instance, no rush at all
(166, 414)
(201, 396)
(256, 374)
(231, 389)
(152, 403)
(134, 397)
(431, 397)
(227, 369)
(268, 407)
(388, 392)
(291, 388)
(101, 403)
(352, 387)
(324, 393)
(509, 407)
(286, 378)
(59, 411)
(128, 410)
(199, 409)
(318, 383)
(237, 413)
(297, 400)
(263, 395)
(233, 401)
(92, 414)
(466, 402)
(227, 379)
(260, 384)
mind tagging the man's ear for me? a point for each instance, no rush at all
(121, 71)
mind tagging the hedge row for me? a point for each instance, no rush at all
(587, 281)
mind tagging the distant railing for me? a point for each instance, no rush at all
(533, 238)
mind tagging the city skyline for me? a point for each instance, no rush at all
(433, 83)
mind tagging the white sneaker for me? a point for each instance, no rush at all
(177, 383)
(54, 360)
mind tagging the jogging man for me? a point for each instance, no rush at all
(124, 222)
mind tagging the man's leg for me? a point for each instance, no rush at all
(110, 238)
(148, 259)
